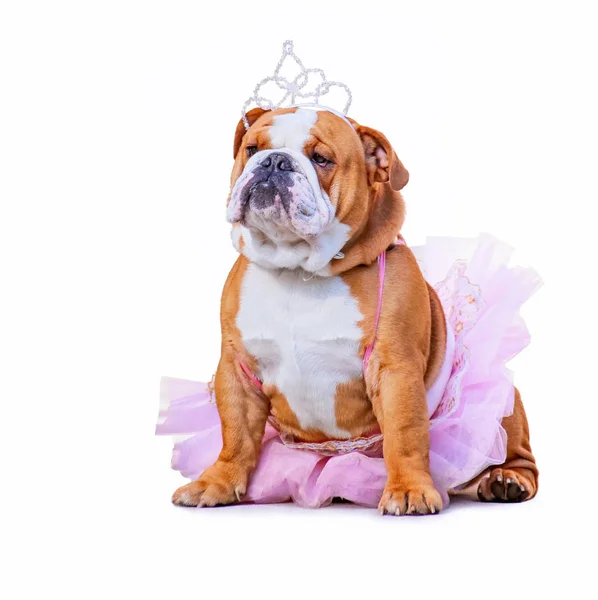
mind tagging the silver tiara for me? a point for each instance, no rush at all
(295, 88)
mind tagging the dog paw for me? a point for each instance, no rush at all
(504, 485)
(420, 499)
(217, 485)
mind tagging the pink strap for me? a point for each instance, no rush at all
(381, 273)
(249, 373)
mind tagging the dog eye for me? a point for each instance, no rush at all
(320, 160)
(251, 150)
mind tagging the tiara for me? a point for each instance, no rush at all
(300, 87)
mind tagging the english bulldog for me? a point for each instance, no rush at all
(315, 199)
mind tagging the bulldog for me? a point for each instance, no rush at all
(315, 199)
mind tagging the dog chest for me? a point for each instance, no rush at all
(305, 337)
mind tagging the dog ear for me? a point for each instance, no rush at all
(381, 160)
(252, 116)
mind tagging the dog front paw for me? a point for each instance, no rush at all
(219, 484)
(417, 499)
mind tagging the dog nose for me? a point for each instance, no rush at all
(277, 161)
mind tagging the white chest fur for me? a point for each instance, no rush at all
(305, 337)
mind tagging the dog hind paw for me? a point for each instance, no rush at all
(505, 485)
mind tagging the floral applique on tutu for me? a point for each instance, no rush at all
(481, 296)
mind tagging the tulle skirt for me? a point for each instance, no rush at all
(481, 295)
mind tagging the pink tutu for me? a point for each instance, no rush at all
(481, 296)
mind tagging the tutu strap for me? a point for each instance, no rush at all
(252, 377)
(381, 273)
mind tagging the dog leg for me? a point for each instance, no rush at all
(517, 479)
(243, 413)
(400, 407)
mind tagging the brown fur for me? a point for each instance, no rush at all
(364, 186)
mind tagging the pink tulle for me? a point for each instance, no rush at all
(481, 296)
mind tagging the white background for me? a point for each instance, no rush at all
(116, 128)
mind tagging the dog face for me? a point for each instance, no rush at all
(279, 192)
(303, 185)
